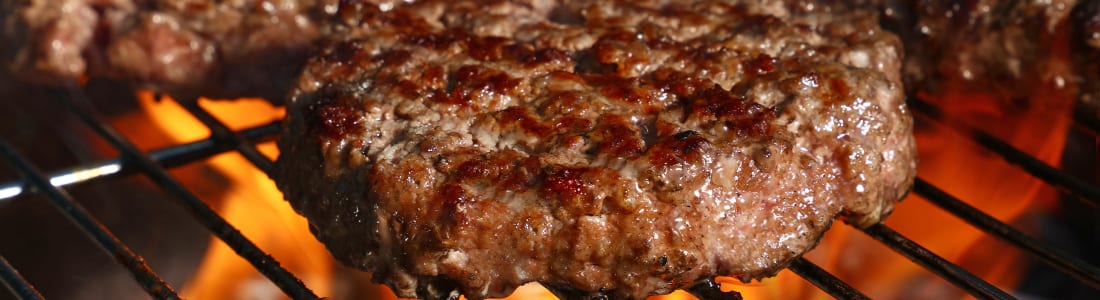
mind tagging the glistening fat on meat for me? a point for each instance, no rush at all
(612, 146)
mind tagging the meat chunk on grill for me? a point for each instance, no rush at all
(192, 48)
(1008, 48)
(630, 148)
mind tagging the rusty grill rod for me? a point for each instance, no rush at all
(149, 280)
(922, 256)
(168, 157)
(16, 283)
(263, 262)
(1057, 258)
(1078, 188)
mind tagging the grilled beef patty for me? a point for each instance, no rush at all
(1008, 48)
(626, 147)
(188, 48)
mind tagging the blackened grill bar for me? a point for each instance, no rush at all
(938, 265)
(16, 283)
(825, 281)
(149, 280)
(224, 139)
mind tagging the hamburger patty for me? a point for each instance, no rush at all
(1006, 48)
(187, 48)
(622, 147)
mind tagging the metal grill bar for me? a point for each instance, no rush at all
(76, 213)
(825, 281)
(263, 262)
(1076, 187)
(1077, 268)
(16, 283)
(953, 273)
(168, 157)
(222, 133)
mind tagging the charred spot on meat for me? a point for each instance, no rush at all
(626, 147)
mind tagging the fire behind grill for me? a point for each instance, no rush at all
(153, 165)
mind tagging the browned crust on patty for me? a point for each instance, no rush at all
(625, 147)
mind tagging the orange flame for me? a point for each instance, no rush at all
(248, 200)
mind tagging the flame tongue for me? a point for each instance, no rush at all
(248, 200)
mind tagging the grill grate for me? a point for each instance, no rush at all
(263, 262)
(92, 227)
(222, 139)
